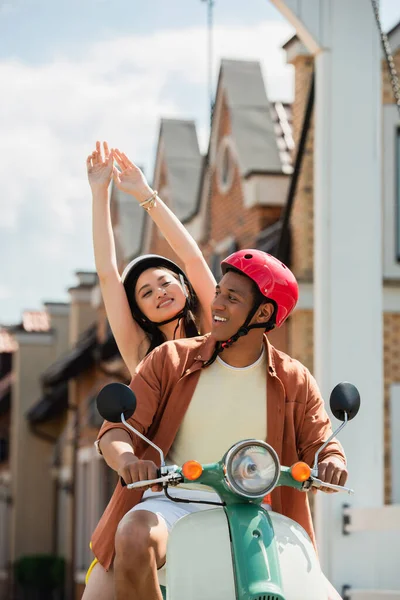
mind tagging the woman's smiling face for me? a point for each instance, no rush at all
(159, 294)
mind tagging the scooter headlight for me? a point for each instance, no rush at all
(252, 468)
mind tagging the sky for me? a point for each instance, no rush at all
(76, 71)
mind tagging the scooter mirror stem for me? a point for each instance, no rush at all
(144, 438)
(314, 470)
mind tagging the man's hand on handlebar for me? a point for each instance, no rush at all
(332, 470)
(132, 470)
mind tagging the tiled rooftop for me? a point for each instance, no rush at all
(35, 321)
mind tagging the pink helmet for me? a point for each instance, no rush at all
(274, 279)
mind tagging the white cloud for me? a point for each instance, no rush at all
(5, 292)
(6, 8)
(52, 114)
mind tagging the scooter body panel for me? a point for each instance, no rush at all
(301, 574)
(200, 558)
(200, 562)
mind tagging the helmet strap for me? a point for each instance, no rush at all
(244, 329)
(180, 315)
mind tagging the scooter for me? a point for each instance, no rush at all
(238, 550)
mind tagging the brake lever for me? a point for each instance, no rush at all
(123, 483)
(147, 482)
(317, 483)
(170, 477)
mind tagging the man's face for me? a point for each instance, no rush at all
(231, 305)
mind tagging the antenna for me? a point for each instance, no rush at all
(210, 24)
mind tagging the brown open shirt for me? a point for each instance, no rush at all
(297, 424)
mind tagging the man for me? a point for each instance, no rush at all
(195, 404)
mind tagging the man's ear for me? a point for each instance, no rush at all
(265, 312)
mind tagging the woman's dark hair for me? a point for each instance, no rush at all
(187, 315)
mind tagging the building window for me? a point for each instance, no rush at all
(391, 192)
(398, 195)
(225, 165)
(394, 399)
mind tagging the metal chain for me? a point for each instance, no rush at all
(394, 80)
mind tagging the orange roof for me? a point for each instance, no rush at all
(35, 321)
(7, 342)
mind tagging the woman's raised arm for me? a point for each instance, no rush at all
(128, 335)
(130, 179)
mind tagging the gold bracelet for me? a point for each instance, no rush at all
(149, 203)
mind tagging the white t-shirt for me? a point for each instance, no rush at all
(229, 405)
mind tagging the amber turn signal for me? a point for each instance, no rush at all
(192, 470)
(300, 471)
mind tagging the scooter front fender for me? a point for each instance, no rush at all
(241, 552)
(199, 558)
(217, 554)
(301, 574)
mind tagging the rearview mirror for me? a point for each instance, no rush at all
(114, 399)
(345, 398)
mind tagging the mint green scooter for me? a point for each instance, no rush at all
(238, 550)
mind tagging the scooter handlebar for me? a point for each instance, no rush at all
(145, 483)
(139, 484)
(317, 483)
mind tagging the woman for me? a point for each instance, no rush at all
(140, 320)
(154, 300)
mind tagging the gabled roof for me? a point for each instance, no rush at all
(251, 118)
(130, 222)
(179, 147)
(394, 37)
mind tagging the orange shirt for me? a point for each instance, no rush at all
(297, 424)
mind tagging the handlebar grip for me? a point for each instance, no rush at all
(123, 483)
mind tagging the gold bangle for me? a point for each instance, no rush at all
(149, 203)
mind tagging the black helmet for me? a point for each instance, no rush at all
(132, 273)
